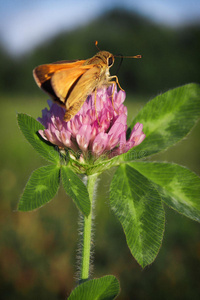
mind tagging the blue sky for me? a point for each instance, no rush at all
(25, 23)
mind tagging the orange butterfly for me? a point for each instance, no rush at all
(70, 82)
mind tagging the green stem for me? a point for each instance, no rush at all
(87, 230)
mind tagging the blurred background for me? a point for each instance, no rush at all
(38, 249)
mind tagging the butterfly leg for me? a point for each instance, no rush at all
(114, 87)
(114, 83)
(95, 105)
(117, 81)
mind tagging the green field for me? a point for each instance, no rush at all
(38, 249)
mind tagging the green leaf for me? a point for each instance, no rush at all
(104, 288)
(138, 207)
(178, 186)
(41, 188)
(166, 119)
(29, 128)
(76, 189)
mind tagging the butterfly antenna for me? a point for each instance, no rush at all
(135, 56)
(96, 44)
(122, 57)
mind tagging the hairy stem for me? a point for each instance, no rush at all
(87, 232)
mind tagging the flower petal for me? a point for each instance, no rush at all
(137, 135)
(100, 143)
(86, 132)
(83, 137)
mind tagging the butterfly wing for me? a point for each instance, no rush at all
(43, 74)
(65, 80)
(68, 82)
(86, 84)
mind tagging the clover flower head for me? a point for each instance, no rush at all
(91, 135)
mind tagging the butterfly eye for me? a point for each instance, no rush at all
(110, 61)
